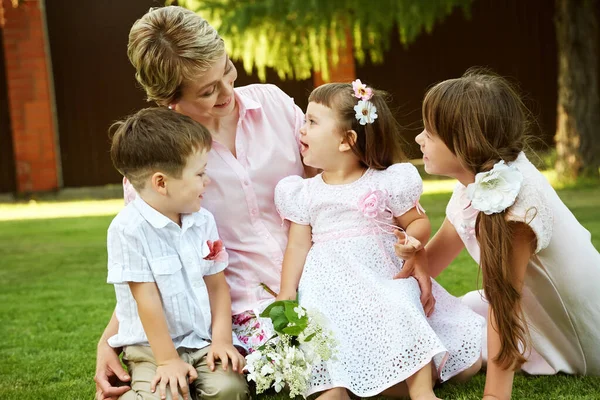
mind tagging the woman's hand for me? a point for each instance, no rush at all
(109, 373)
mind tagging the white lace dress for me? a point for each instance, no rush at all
(379, 323)
(561, 300)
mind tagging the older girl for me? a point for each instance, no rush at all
(540, 269)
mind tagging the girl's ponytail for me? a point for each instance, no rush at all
(495, 235)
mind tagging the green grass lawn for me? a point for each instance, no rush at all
(55, 304)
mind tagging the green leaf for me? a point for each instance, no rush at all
(292, 316)
(293, 330)
(277, 315)
(282, 303)
(310, 337)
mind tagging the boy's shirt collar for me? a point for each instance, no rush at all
(158, 220)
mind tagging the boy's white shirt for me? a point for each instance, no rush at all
(145, 246)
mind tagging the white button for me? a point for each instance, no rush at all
(246, 183)
(253, 211)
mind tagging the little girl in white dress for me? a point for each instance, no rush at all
(341, 254)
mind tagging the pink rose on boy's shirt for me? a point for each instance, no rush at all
(216, 251)
(372, 203)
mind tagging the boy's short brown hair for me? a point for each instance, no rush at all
(155, 139)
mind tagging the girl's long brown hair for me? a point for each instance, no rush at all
(482, 120)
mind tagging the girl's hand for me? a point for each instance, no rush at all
(417, 267)
(406, 246)
(225, 352)
(174, 373)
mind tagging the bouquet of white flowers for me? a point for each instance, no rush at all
(288, 357)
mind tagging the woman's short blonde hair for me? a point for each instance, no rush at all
(168, 46)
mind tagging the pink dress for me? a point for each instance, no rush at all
(560, 295)
(382, 333)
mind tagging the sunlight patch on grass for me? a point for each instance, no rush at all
(432, 186)
(66, 209)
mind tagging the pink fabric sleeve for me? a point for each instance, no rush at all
(129, 192)
(299, 117)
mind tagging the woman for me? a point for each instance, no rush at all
(181, 63)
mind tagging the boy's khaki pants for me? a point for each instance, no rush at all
(213, 385)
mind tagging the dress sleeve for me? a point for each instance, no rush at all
(532, 207)
(291, 199)
(405, 186)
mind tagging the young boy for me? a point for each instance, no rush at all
(166, 262)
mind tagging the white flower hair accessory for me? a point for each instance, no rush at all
(366, 112)
(495, 190)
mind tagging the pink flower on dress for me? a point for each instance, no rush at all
(373, 203)
(217, 251)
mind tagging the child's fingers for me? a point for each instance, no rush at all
(193, 375)
(236, 360)
(224, 360)
(162, 388)
(400, 235)
(406, 271)
(415, 243)
(404, 251)
(174, 385)
(155, 380)
(241, 363)
(185, 388)
(430, 306)
(210, 360)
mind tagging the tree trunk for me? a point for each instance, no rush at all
(578, 114)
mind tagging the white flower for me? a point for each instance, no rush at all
(278, 385)
(366, 112)
(300, 311)
(266, 369)
(495, 190)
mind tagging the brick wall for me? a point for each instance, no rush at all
(30, 104)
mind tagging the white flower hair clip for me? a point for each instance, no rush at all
(495, 190)
(366, 112)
